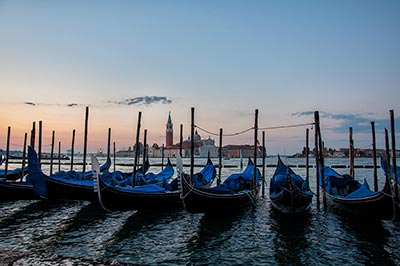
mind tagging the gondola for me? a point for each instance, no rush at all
(235, 193)
(155, 194)
(16, 190)
(63, 185)
(349, 197)
(14, 174)
(289, 192)
(384, 169)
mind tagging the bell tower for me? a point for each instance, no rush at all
(169, 132)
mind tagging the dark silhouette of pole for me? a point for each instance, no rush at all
(181, 140)
(264, 154)
(40, 142)
(351, 152)
(52, 152)
(114, 154)
(220, 157)
(387, 161)
(317, 165)
(72, 149)
(307, 156)
(374, 156)
(394, 164)
(162, 156)
(192, 146)
(33, 135)
(109, 144)
(136, 149)
(255, 153)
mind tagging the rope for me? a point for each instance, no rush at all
(288, 126)
(225, 135)
(260, 128)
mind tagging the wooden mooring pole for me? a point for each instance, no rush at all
(374, 156)
(264, 155)
(52, 151)
(317, 166)
(33, 135)
(394, 164)
(255, 154)
(180, 140)
(59, 156)
(40, 141)
(351, 152)
(114, 155)
(220, 157)
(192, 146)
(72, 149)
(307, 156)
(136, 149)
(109, 144)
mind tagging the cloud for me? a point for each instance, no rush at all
(340, 123)
(144, 100)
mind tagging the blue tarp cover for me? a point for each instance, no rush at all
(13, 171)
(205, 176)
(242, 181)
(362, 192)
(35, 176)
(280, 177)
(341, 185)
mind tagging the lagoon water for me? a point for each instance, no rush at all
(44, 232)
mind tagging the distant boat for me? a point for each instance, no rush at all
(289, 192)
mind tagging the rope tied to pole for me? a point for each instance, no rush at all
(224, 135)
(252, 128)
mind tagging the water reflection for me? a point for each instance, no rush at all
(147, 237)
(369, 237)
(213, 237)
(290, 242)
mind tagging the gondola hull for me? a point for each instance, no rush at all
(115, 199)
(16, 191)
(64, 189)
(288, 191)
(377, 207)
(197, 200)
(291, 202)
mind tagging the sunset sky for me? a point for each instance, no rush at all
(225, 58)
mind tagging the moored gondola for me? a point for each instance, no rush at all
(123, 196)
(235, 193)
(289, 192)
(63, 185)
(349, 197)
